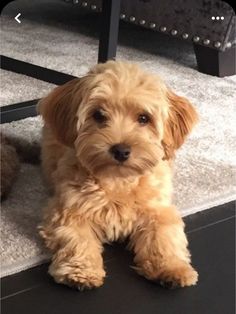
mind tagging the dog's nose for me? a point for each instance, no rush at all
(120, 152)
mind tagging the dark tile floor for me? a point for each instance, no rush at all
(212, 242)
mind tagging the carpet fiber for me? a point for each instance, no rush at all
(67, 41)
(25, 88)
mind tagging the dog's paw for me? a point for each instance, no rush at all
(180, 276)
(77, 277)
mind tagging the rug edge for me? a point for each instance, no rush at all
(231, 197)
(29, 263)
(44, 258)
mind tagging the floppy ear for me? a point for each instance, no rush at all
(59, 110)
(181, 119)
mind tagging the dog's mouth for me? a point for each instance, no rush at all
(122, 169)
(120, 162)
(116, 170)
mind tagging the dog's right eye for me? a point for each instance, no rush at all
(99, 116)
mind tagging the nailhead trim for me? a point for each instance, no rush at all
(185, 35)
(229, 45)
(174, 32)
(206, 42)
(196, 39)
(217, 44)
(163, 29)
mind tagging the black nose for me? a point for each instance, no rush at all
(120, 152)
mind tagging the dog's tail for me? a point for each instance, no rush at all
(13, 151)
(28, 152)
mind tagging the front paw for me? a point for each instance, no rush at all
(80, 276)
(179, 276)
(169, 275)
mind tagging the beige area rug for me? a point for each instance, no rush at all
(25, 88)
(205, 165)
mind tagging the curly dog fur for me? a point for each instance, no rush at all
(10, 165)
(100, 196)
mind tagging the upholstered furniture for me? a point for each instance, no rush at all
(208, 24)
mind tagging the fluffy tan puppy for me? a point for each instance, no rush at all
(108, 144)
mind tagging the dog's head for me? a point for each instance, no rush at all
(121, 120)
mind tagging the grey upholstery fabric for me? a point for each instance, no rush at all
(179, 17)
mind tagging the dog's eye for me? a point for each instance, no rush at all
(99, 116)
(143, 119)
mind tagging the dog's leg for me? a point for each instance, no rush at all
(77, 254)
(160, 247)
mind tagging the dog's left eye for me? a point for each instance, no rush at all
(99, 116)
(143, 119)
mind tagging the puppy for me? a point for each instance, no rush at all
(108, 144)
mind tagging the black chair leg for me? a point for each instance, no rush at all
(215, 62)
(109, 30)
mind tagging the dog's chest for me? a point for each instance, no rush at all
(117, 221)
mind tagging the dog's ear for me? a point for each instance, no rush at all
(181, 119)
(59, 110)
